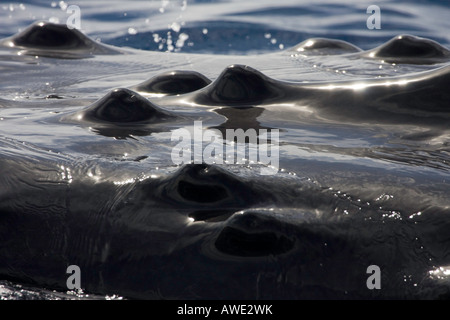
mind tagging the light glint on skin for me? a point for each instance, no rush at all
(120, 183)
(363, 85)
(66, 174)
(186, 102)
(359, 86)
(440, 273)
(94, 177)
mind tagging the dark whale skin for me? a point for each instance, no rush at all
(239, 85)
(57, 41)
(123, 106)
(122, 244)
(410, 49)
(122, 113)
(173, 83)
(394, 100)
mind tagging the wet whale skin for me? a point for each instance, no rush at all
(87, 179)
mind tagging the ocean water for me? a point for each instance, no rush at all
(359, 175)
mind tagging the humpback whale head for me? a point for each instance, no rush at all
(173, 83)
(122, 106)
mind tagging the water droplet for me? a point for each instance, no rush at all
(175, 26)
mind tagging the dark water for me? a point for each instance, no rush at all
(358, 175)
